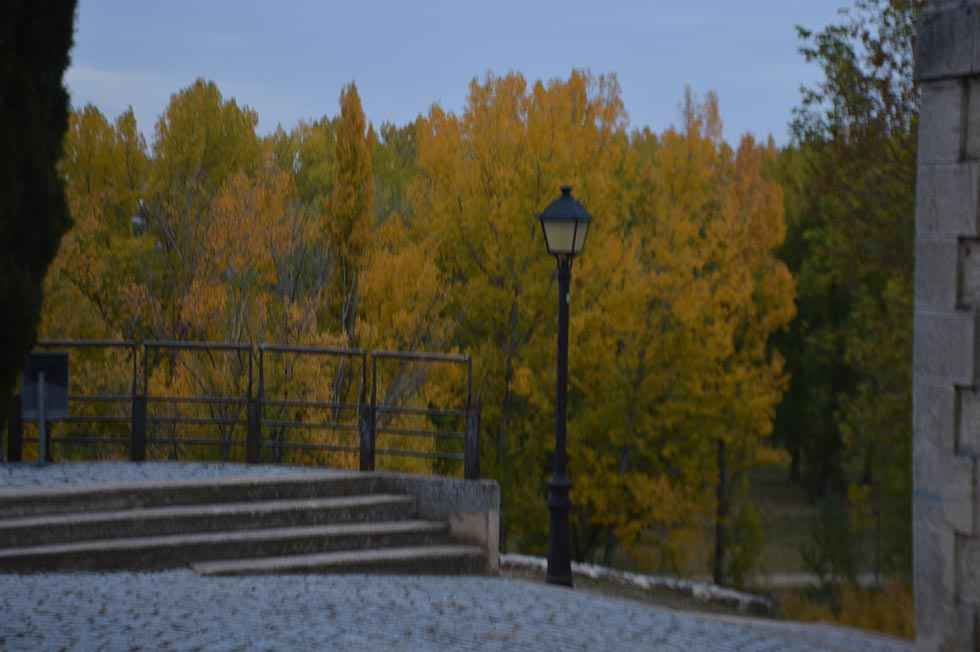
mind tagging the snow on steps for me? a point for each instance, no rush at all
(702, 591)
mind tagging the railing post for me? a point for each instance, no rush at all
(15, 431)
(367, 421)
(137, 437)
(253, 441)
(137, 429)
(367, 438)
(471, 448)
(43, 454)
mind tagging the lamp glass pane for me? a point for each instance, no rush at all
(561, 236)
(583, 230)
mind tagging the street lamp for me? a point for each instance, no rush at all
(565, 223)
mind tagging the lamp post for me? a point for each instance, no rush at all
(565, 223)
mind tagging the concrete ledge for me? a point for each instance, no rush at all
(472, 507)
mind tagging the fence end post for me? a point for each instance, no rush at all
(137, 441)
(15, 431)
(366, 426)
(253, 442)
(471, 449)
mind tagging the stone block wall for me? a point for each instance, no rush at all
(946, 366)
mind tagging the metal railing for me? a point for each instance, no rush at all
(469, 435)
(248, 418)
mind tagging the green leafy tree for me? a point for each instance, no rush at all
(394, 171)
(856, 133)
(813, 345)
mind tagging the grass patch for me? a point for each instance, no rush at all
(787, 517)
(888, 610)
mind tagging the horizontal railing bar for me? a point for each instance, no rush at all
(178, 344)
(302, 446)
(122, 441)
(300, 403)
(96, 418)
(421, 356)
(327, 425)
(272, 348)
(100, 398)
(419, 454)
(394, 409)
(85, 344)
(409, 432)
(328, 350)
(193, 441)
(203, 400)
(202, 421)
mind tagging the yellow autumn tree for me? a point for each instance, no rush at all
(642, 338)
(104, 166)
(348, 214)
(200, 141)
(482, 179)
(425, 237)
(677, 385)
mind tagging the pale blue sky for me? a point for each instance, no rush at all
(289, 59)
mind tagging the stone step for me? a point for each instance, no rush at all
(174, 551)
(217, 517)
(22, 503)
(421, 560)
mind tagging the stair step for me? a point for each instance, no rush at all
(446, 559)
(216, 517)
(173, 551)
(22, 503)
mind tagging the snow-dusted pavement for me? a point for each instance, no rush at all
(178, 610)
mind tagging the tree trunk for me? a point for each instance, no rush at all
(794, 464)
(720, 518)
(503, 461)
(610, 548)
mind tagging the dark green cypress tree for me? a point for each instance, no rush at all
(35, 39)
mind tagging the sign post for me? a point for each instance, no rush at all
(45, 395)
(42, 423)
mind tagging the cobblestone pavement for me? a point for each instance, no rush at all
(177, 610)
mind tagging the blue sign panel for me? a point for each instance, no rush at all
(54, 367)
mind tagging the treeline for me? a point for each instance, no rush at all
(424, 237)
(849, 188)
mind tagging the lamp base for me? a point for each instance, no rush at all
(561, 580)
(559, 539)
